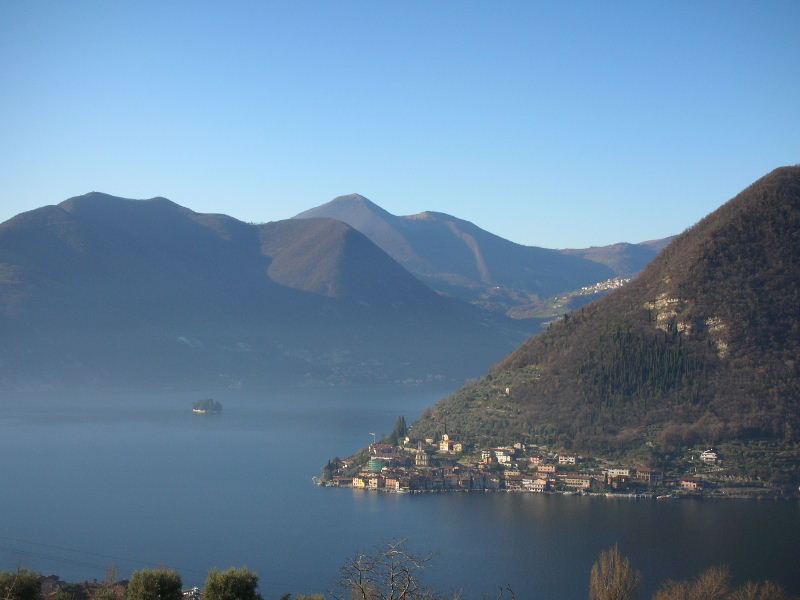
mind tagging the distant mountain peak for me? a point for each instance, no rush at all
(352, 198)
(355, 200)
(346, 208)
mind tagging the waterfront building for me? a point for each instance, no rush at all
(535, 484)
(581, 482)
(649, 476)
(691, 483)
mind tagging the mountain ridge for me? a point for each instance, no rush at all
(118, 292)
(458, 258)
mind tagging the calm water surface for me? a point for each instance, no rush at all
(138, 480)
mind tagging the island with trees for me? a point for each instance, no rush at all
(207, 406)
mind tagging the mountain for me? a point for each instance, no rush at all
(108, 291)
(624, 259)
(701, 348)
(458, 258)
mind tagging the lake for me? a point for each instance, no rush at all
(137, 480)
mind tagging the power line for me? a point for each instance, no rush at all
(50, 557)
(112, 557)
(272, 581)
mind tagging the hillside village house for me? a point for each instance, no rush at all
(447, 446)
(505, 456)
(709, 456)
(381, 448)
(618, 471)
(567, 459)
(450, 445)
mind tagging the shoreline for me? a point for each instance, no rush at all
(403, 464)
(609, 495)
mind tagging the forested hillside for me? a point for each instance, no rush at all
(702, 347)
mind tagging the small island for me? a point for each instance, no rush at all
(207, 406)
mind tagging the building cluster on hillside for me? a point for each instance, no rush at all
(449, 464)
(603, 286)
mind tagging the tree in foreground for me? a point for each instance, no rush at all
(766, 590)
(22, 585)
(390, 573)
(108, 592)
(71, 591)
(712, 584)
(233, 584)
(715, 584)
(155, 584)
(613, 577)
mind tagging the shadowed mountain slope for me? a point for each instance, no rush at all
(114, 292)
(702, 347)
(458, 258)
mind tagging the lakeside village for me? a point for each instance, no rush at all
(449, 465)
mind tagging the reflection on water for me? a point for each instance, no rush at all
(138, 480)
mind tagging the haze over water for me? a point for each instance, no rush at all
(138, 480)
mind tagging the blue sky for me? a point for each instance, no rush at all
(551, 124)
